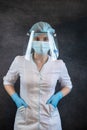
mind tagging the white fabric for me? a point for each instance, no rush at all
(36, 87)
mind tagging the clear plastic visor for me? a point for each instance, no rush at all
(46, 37)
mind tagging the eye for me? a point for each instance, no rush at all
(45, 39)
(36, 38)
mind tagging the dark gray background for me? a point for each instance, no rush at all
(69, 18)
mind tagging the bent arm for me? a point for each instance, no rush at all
(65, 80)
(18, 100)
(9, 89)
(12, 75)
(9, 81)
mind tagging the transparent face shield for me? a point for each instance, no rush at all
(29, 46)
(53, 50)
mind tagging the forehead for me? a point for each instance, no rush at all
(40, 34)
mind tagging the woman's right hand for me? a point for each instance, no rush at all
(18, 101)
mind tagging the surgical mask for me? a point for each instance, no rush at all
(41, 47)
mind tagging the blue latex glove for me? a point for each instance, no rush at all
(55, 99)
(18, 101)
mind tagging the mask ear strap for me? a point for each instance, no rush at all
(28, 51)
(53, 49)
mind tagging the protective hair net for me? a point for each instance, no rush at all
(42, 27)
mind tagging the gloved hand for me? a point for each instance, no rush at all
(55, 99)
(18, 101)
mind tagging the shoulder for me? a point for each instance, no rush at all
(57, 64)
(18, 59)
(59, 61)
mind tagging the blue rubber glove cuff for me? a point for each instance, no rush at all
(18, 101)
(14, 96)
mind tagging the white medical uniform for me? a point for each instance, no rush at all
(36, 87)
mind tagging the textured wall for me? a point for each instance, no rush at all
(70, 21)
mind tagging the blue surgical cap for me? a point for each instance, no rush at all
(42, 27)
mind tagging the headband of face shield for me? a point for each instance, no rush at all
(42, 47)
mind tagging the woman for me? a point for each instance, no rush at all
(39, 71)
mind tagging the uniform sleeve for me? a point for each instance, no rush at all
(12, 74)
(65, 79)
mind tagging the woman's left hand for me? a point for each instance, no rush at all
(55, 99)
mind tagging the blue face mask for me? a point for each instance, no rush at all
(41, 47)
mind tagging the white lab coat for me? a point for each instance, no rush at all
(36, 87)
